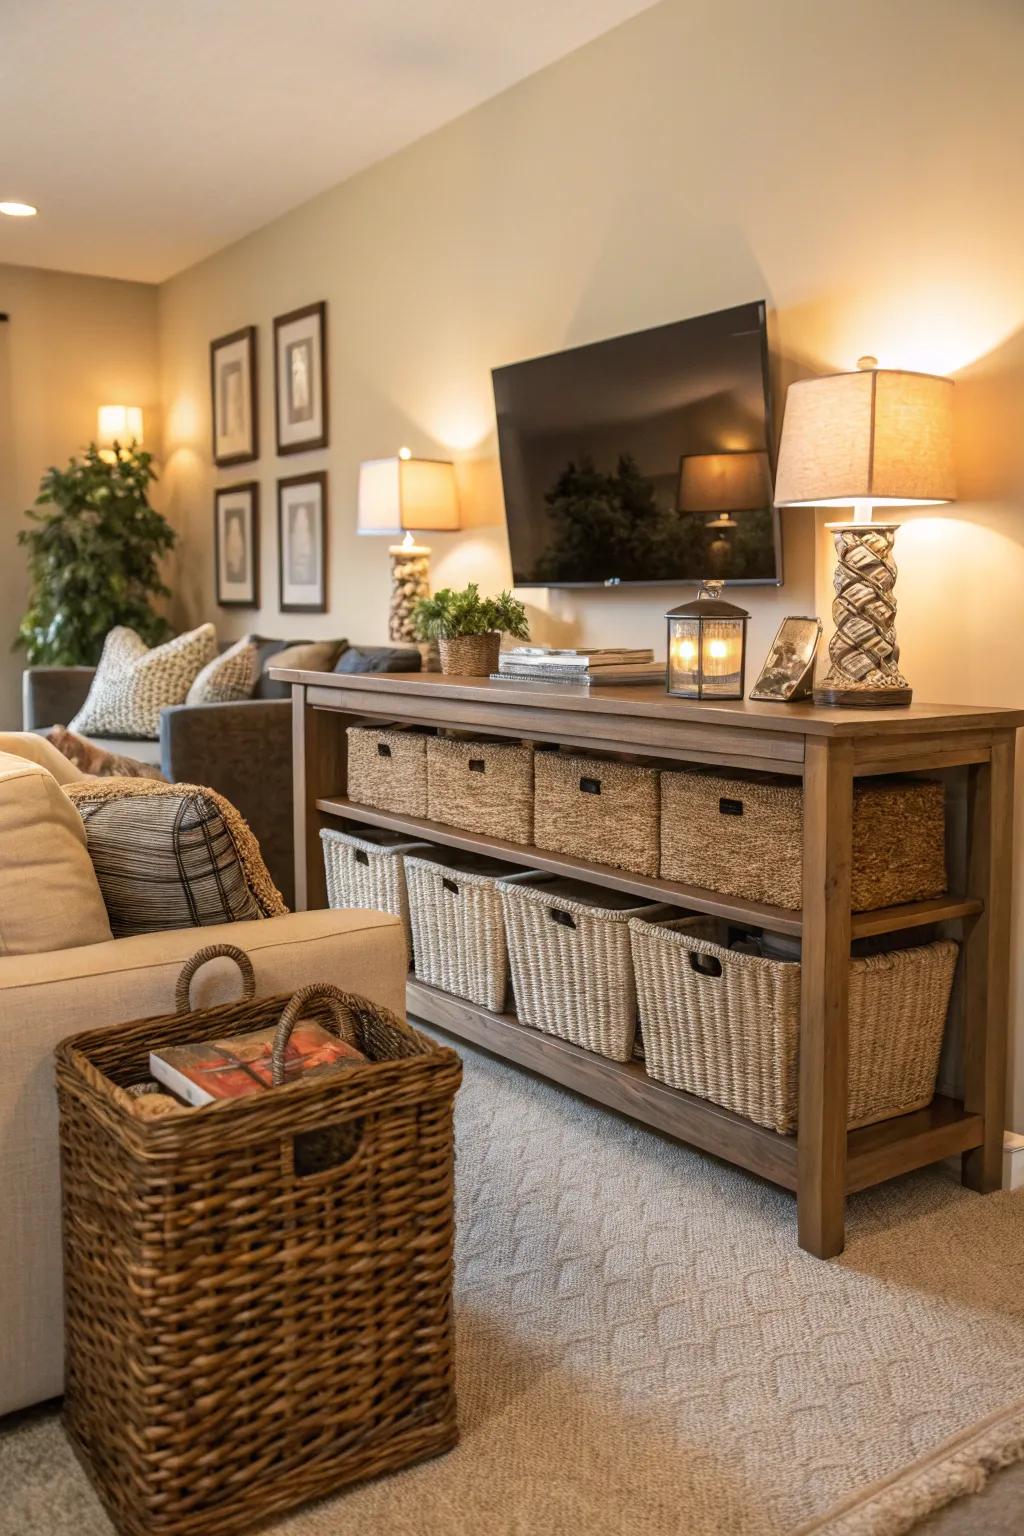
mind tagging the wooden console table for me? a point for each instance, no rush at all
(973, 749)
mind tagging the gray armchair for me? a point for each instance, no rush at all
(242, 750)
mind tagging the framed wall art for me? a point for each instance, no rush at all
(236, 542)
(300, 379)
(302, 543)
(233, 392)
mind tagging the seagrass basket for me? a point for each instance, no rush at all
(569, 955)
(367, 870)
(458, 932)
(388, 768)
(257, 1292)
(725, 1025)
(597, 809)
(743, 836)
(481, 786)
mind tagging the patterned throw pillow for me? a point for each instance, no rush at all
(97, 761)
(133, 683)
(172, 856)
(231, 675)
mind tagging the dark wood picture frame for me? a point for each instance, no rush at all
(252, 489)
(315, 477)
(247, 334)
(320, 439)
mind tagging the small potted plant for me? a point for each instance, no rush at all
(468, 628)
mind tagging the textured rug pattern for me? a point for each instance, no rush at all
(642, 1347)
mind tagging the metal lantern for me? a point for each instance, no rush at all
(707, 647)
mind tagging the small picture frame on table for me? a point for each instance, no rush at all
(300, 379)
(233, 397)
(788, 672)
(302, 543)
(236, 542)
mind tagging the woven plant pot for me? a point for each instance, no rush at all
(470, 655)
(286, 1256)
(726, 1026)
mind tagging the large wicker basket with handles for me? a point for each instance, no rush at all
(367, 870)
(726, 1025)
(257, 1292)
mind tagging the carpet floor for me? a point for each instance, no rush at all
(642, 1348)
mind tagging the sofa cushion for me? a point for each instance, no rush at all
(172, 856)
(228, 677)
(307, 655)
(379, 658)
(133, 683)
(51, 898)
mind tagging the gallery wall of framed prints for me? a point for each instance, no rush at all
(301, 426)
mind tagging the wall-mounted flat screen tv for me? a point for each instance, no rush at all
(646, 458)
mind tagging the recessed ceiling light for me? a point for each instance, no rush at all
(18, 210)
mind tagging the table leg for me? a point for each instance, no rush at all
(825, 975)
(320, 749)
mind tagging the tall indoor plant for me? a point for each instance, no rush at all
(468, 628)
(93, 558)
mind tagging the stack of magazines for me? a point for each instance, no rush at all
(588, 666)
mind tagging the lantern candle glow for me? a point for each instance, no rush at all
(707, 643)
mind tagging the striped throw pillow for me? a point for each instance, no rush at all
(134, 683)
(172, 856)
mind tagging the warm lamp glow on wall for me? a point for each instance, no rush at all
(405, 495)
(878, 437)
(120, 425)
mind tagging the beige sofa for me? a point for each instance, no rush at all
(44, 997)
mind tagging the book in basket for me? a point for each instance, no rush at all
(241, 1064)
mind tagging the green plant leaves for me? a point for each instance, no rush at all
(448, 614)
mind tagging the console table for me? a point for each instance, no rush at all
(972, 749)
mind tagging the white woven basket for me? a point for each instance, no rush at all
(570, 961)
(368, 871)
(726, 1026)
(458, 932)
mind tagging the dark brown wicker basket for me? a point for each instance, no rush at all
(258, 1292)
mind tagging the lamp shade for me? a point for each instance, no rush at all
(880, 435)
(724, 482)
(403, 495)
(119, 424)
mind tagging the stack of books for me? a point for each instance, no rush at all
(586, 667)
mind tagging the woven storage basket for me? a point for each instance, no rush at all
(572, 976)
(744, 837)
(726, 1026)
(367, 870)
(388, 769)
(481, 786)
(458, 932)
(258, 1292)
(597, 809)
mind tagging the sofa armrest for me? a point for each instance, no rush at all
(244, 751)
(53, 695)
(44, 998)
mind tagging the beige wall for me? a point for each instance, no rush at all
(71, 344)
(856, 164)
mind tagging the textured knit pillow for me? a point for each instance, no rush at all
(172, 856)
(230, 676)
(133, 683)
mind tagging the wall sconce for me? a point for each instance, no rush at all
(406, 496)
(707, 647)
(120, 425)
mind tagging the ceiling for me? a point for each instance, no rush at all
(152, 133)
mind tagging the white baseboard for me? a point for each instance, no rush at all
(1013, 1160)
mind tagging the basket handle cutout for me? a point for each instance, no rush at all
(183, 986)
(330, 1147)
(477, 765)
(565, 918)
(729, 807)
(295, 1009)
(360, 855)
(450, 885)
(705, 965)
(590, 786)
(383, 750)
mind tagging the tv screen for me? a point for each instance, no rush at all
(642, 459)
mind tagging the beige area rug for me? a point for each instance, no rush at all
(642, 1349)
